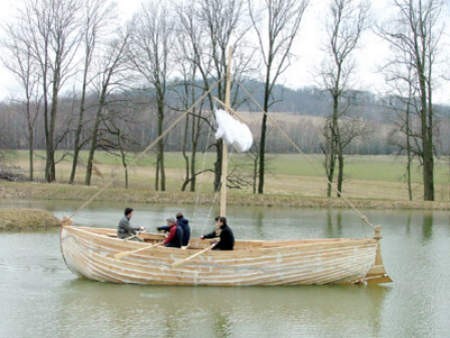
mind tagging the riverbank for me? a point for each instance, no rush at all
(67, 192)
(26, 219)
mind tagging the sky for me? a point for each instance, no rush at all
(307, 49)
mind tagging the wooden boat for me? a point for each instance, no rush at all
(92, 253)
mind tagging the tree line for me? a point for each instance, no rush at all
(90, 81)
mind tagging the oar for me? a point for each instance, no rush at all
(194, 255)
(134, 236)
(126, 253)
(131, 237)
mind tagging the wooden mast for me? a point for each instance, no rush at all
(224, 172)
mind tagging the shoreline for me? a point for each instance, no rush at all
(67, 192)
(26, 219)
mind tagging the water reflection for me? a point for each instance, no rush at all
(408, 223)
(427, 227)
(223, 312)
(334, 223)
(259, 217)
(48, 300)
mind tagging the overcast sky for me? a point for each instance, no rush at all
(308, 52)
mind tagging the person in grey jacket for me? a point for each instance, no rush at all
(125, 230)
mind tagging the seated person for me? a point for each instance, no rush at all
(175, 236)
(224, 232)
(124, 229)
(183, 223)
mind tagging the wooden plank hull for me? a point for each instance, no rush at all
(90, 252)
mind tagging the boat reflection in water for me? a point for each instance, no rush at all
(220, 311)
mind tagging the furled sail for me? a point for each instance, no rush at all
(232, 131)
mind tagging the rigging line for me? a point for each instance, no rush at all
(197, 195)
(151, 145)
(362, 216)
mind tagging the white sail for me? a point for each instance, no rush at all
(232, 131)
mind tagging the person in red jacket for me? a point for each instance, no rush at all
(175, 236)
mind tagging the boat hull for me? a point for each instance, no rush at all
(92, 253)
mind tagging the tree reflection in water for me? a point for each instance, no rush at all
(334, 227)
(427, 226)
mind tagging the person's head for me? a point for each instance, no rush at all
(128, 212)
(221, 221)
(171, 221)
(179, 215)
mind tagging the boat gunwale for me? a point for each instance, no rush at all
(254, 244)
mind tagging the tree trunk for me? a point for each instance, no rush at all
(262, 145)
(31, 156)
(50, 170)
(408, 174)
(193, 166)
(183, 152)
(428, 172)
(330, 172)
(50, 174)
(427, 138)
(333, 147)
(90, 160)
(31, 151)
(262, 150)
(195, 137)
(340, 177)
(93, 147)
(76, 146)
(255, 173)
(160, 180)
(408, 147)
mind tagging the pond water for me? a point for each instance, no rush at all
(41, 297)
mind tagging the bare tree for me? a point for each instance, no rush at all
(188, 89)
(414, 37)
(51, 29)
(111, 69)
(150, 49)
(193, 124)
(403, 101)
(117, 138)
(189, 38)
(276, 26)
(211, 28)
(19, 60)
(346, 22)
(97, 14)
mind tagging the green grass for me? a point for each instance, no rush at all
(370, 177)
(370, 167)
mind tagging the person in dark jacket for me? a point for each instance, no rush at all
(183, 223)
(175, 236)
(224, 232)
(124, 229)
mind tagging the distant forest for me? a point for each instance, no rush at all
(300, 112)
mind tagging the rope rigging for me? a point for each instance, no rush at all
(361, 215)
(108, 184)
(148, 148)
(197, 193)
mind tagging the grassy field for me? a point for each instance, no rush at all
(295, 176)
